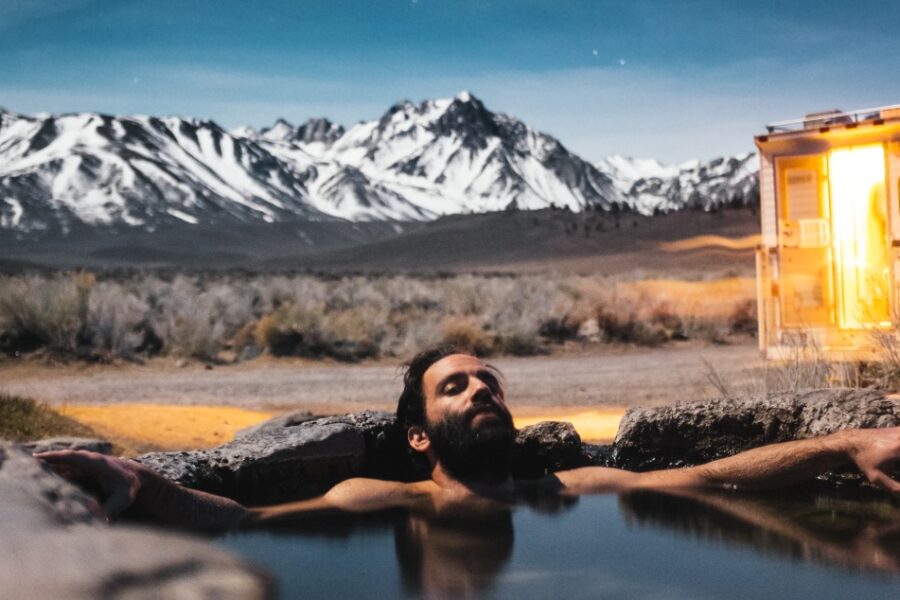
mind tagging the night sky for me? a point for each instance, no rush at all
(671, 80)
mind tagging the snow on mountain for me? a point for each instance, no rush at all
(449, 156)
(137, 171)
(650, 186)
(416, 162)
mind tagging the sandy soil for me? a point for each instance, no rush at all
(139, 428)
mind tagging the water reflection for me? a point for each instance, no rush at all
(453, 557)
(466, 548)
(843, 532)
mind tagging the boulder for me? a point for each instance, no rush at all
(280, 422)
(269, 467)
(385, 447)
(58, 546)
(698, 432)
(546, 447)
(69, 443)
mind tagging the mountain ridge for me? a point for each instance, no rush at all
(416, 162)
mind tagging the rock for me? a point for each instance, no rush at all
(280, 422)
(57, 547)
(545, 448)
(270, 466)
(599, 455)
(31, 495)
(695, 433)
(590, 331)
(249, 353)
(385, 453)
(386, 456)
(69, 443)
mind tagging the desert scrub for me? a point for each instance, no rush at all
(211, 316)
(24, 420)
(45, 313)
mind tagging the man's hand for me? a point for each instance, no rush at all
(875, 451)
(118, 481)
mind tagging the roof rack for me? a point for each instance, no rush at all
(835, 117)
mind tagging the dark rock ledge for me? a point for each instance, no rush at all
(56, 547)
(698, 432)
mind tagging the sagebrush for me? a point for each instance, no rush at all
(229, 317)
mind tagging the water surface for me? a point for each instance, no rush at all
(635, 546)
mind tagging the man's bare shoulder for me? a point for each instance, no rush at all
(358, 494)
(362, 491)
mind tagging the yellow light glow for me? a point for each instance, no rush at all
(859, 224)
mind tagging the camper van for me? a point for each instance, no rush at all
(828, 267)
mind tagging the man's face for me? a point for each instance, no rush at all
(468, 425)
(463, 387)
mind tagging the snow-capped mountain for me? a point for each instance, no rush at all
(138, 171)
(651, 186)
(438, 157)
(417, 162)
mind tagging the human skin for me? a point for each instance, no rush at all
(463, 385)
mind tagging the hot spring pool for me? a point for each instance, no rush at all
(635, 546)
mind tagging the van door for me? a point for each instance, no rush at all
(806, 288)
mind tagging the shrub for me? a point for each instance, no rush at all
(467, 334)
(743, 320)
(37, 313)
(24, 420)
(355, 317)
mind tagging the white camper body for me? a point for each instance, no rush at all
(828, 266)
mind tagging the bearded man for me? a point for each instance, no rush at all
(453, 410)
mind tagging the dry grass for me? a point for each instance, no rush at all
(805, 366)
(24, 420)
(210, 317)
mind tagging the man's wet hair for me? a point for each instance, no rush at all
(411, 405)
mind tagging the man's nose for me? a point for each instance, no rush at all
(481, 392)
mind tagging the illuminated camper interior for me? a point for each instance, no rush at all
(860, 239)
(828, 265)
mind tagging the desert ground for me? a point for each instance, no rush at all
(172, 405)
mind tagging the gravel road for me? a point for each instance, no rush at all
(626, 377)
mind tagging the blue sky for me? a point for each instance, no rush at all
(671, 80)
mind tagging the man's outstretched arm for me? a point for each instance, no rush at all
(128, 488)
(131, 489)
(767, 467)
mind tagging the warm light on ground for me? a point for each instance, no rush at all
(139, 428)
(713, 298)
(748, 242)
(142, 427)
(592, 425)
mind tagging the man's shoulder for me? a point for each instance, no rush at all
(369, 493)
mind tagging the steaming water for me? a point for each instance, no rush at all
(638, 546)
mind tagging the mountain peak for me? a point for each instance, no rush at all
(318, 129)
(280, 131)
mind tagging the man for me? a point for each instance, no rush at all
(453, 409)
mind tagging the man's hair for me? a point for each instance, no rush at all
(411, 405)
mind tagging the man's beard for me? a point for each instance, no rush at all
(481, 454)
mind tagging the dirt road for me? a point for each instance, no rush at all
(622, 377)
